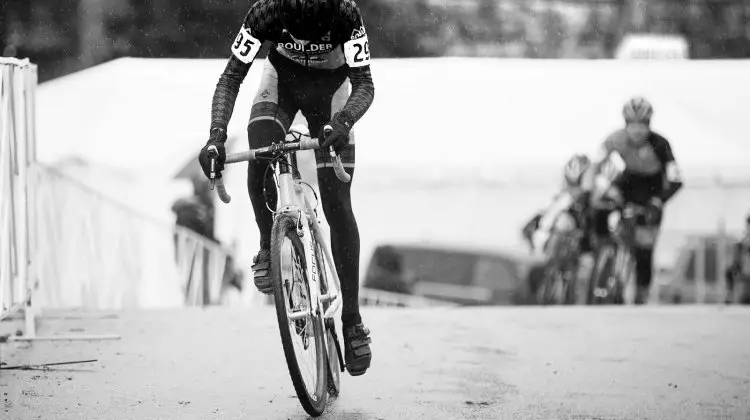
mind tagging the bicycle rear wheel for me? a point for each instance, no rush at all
(301, 336)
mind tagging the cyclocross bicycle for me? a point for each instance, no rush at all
(306, 287)
(558, 286)
(614, 268)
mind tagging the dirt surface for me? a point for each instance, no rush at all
(578, 363)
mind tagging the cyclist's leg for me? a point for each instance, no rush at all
(599, 237)
(325, 98)
(337, 206)
(271, 115)
(643, 273)
(644, 257)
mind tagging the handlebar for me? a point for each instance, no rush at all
(274, 150)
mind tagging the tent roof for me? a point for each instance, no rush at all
(489, 116)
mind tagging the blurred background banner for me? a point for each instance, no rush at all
(63, 36)
(527, 83)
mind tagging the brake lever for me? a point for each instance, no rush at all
(213, 154)
(212, 172)
(327, 130)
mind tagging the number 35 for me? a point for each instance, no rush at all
(362, 50)
(247, 44)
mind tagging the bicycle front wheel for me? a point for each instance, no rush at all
(570, 279)
(335, 361)
(601, 285)
(552, 288)
(626, 276)
(301, 329)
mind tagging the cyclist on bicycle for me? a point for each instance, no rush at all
(739, 268)
(567, 211)
(319, 50)
(649, 179)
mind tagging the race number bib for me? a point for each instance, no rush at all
(245, 46)
(357, 52)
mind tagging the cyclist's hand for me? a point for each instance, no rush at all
(338, 138)
(531, 226)
(214, 148)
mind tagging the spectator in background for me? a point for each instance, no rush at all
(738, 273)
(386, 271)
(197, 211)
(10, 51)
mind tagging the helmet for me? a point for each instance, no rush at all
(308, 19)
(574, 169)
(637, 109)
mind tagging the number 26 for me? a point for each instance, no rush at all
(247, 44)
(360, 50)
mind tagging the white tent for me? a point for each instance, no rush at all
(533, 112)
(443, 137)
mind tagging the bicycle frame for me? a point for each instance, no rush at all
(291, 200)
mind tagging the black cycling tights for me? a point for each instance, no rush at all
(643, 263)
(336, 201)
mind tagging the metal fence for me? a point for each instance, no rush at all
(17, 154)
(94, 252)
(65, 245)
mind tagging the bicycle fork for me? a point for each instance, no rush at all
(602, 290)
(290, 197)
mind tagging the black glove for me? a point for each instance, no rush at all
(531, 226)
(214, 147)
(338, 138)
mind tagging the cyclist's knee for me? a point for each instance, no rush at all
(263, 130)
(335, 200)
(564, 223)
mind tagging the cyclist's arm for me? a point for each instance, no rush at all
(588, 182)
(363, 93)
(357, 56)
(226, 92)
(245, 47)
(672, 176)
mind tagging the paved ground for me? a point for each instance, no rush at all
(482, 363)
